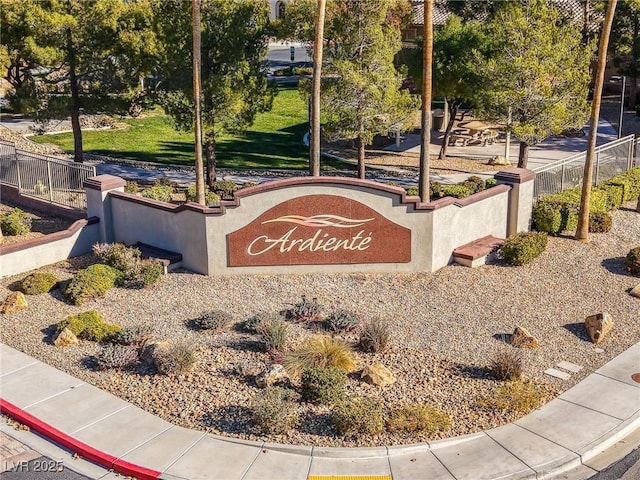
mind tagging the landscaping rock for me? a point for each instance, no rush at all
(499, 160)
(65, 338)
(273, 374)
(521, 338)
(598, 326)
(151, 351)
(13, 303)
(378, 375)
(635, 291)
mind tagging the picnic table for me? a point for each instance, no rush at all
(473, 131)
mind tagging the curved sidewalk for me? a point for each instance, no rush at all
(563, 434)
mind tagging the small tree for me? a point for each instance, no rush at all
(234, 39)
(363, 97)
(537, 68)
(90, 55)
(456, 74)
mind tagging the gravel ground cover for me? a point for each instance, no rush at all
(41, 224)
(446, 328)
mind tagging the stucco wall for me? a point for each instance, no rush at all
(162, 225)
(201, 234)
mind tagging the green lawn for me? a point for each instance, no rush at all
(274, 140)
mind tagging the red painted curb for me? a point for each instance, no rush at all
(82, 449)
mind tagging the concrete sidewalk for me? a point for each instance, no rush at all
(565, 434)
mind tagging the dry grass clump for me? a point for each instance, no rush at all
(321, 351)
(519, 397)
(418, 417)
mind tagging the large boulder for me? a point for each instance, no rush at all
(272, 374)
(378, 375)
(13, 303)
(521, 338)
(598, 326)
(65, 338)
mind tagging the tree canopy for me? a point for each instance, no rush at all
(537, 68)
(362, 97)
(234, 77)
(89, 55)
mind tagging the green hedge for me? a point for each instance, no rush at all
(523, 247)
(556, 213)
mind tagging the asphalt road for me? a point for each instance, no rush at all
(627, 468)
(41, 468)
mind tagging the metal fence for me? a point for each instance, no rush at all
(610, 160)
(52, 179)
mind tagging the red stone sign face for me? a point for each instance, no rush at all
(316, 230)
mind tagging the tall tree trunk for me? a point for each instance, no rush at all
(361, 153)
(425, 124)
(210, 152)
(523, 156)
(75, 101)
(582, 232)
(195, 14)
(314, 141)
(453, 111)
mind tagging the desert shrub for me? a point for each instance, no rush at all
(216, 320)
(418, 418)
(15, 222)
(224, 188)
(375, 336)
(305, 310)
(248, 184)
(178, 357)
(92, 282)
(136, 336)
(629, 181)
(614, 194)
(275, 410)
(304, 71)
(455, 191)
(89, 326)
(518, 397)
(340, 321)
(211, 198)
(556, 213)
(412, 191)
(252, 324)
(547, 217)
(490, 183)
(600, 222)
(118, 255)
(523, 247)
(323, 385)
(632, 261)
(38, 283)
(131, 187)
(507, 364)
(360, 415)
(137, 272)
(273, 332)
(161, 193)
(474, 183)
(321, 351)
(150, 273)
(118, 357)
